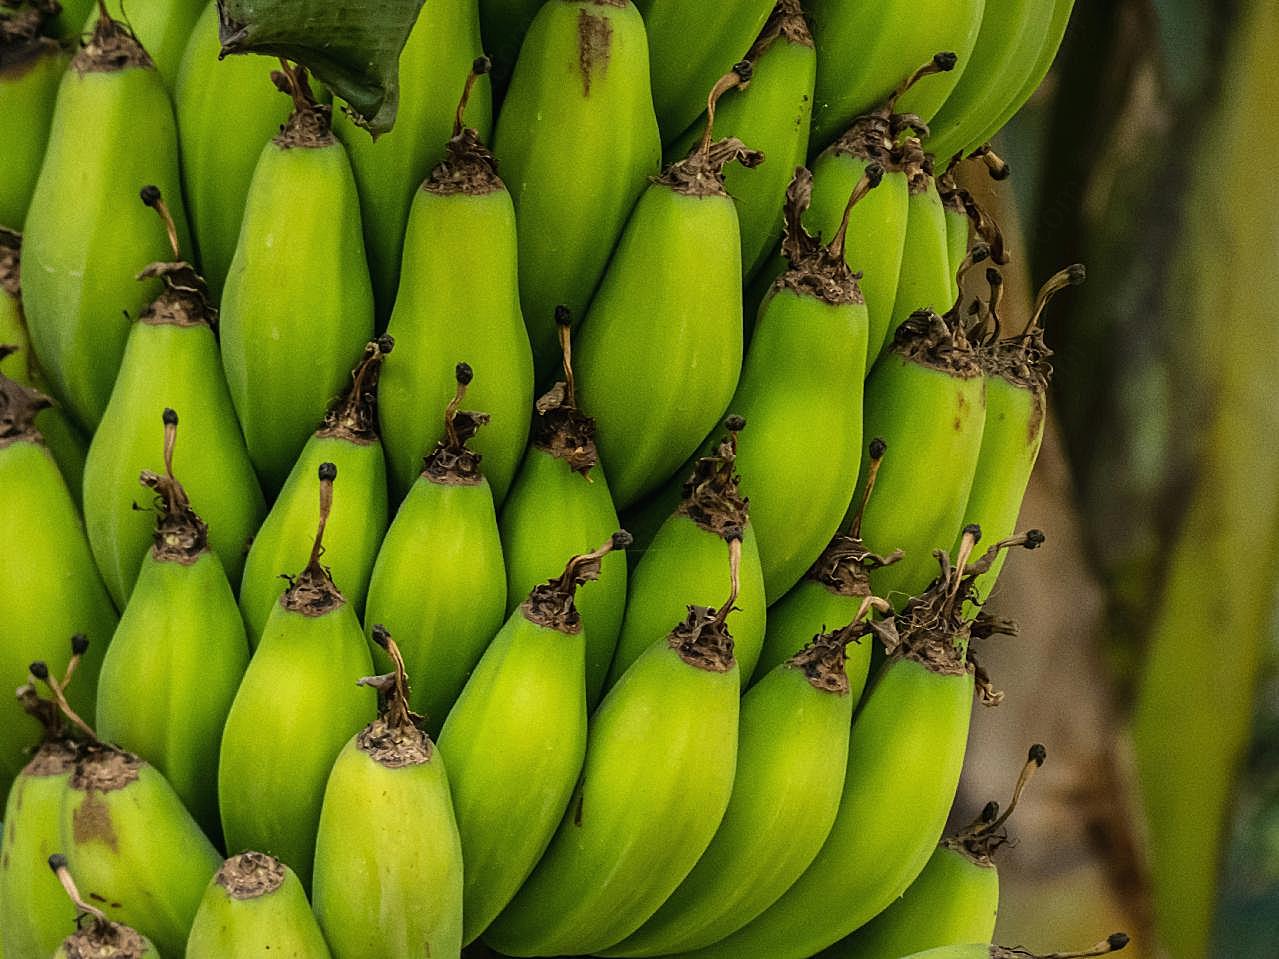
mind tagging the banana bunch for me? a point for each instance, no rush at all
(655, 655)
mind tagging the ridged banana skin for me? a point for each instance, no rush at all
(439, 587)
(576, 141)
(954, 901)
(521, 719)
(388, 861)
(923, 414)
(87, 234)
(865, 48)
(292, 714)
(904, 760)
(28, 91)
(660, 352)
(957, 229)
(660, 759)
(433, 66)
(298, 305)
(792, 748)
(61, 592)
(685, 564)
(444, 315)
(226, 110)
(171, 673)
(35, 915)
(357, 523)
(690, 47)
(503, 24)
(926, 281)
(277, 925)
(138, 853)
(804, 612)
(552, 513)
(173, 367)
(161, 26)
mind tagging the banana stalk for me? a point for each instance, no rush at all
(1113, 943)
(100, 937)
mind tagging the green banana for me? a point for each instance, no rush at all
(792, 749)
(388, 170)
(170, 362)
(161, 26)
(576, 140)
(863, 48)
(388, 860)
(255, 905)
(957, 229)
(670, 302)
(832, 591)
(100, 938)
(112, 131)
(298, 304)
(438, 582)
(62, 594)
(461, 215)
(684, 561)
(226, 108)
(70, 19)
(690, 46)
(1113, 943)
(348, 438)
(503, 25)
(31, 67)
(905, 755)
(293, 713)
(177, 657)
(559, 505)
(520, 719)
(661, 754)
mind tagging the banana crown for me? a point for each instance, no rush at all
(701, 173)
(937, 342)
(18, 408)
(702, 640)
(56, 753)
(354, 417)
(710, 495)
(10, 262)
(1024, 359)
(452, 462)
(983, 838)
(185, 299)
(551, 604)
(250, 875)
(468, 167)
(312, 592)
(310, 123)
(395, 739)
(822, 660)
(112, 48)
(96, 936)
(786, 22)
(180, 535)
(560, 428)
(845, 564)
(21, 30)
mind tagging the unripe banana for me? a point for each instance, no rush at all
(100, 938)
(685, 561)
(576, 140)
(661, 754)
(388, 860)
(560, 505)
(1113, 943)
(461, 215)
(520, 719)
(162, 26)
(226, 108)
(177, 657)
(298, 305)
(958, 228)
(348, 439)
(293, 713)
(31, 66)
(503, 25)
(438, 582)
(70, 19)
(255, 906)
(62, 594)
(170, 362)
(389, 170)
(86, 233)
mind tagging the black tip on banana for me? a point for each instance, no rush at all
(169, 417)
(945, 61)
(381, 635)
(734, 423)
(1117, 941)
(878, 447)
(732, 534)
(150, 195)
(40, 670)
(1034, 539)
(993, 276)
(744, 70)
(385, 343)
(464, 374)
(874, 174)
(1038, 754)
(1075, 275)
(481, 65)
(622, 539)
(57, 861)
(973, 530)
(79, 644)
(989, 812)
(328, 472)
(563, 315)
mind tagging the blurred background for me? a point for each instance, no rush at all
(1148, 660)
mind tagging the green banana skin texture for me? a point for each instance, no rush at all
(442, 315)
(298, 305)
(808, 609)
(388, 170)
(684, 564)
(576, 141)
(277, 921)
(175, 367)
(71, 18)
(86, 233)
(690, 47)
(971, 951)
(905, 756)
(503, 25)
(171, 673)
(396, 890)
(292, 715)
(161, 26)
(660, 760)
(28, 91)
(62, 594)
(226, 110)
(956, 244)
(792, 748)
(135, 850)
(553, 512)
(660, 352)
(521, 719)
(954, 900)
(864, 48)
(926, 280)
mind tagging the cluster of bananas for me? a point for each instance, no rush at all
(649, 742)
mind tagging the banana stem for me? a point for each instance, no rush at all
(1034, 761)
(995, 164)
(396, 711)
(152, 197)
(871, 177)
(328, 473)
(734, 568)
(567, 582)
(40, 670)
(479, 67)
(739, 76)
(464, 375)
(58, 863)
(1072, 275)
(940, 63)
(1113, 943)
(564, 327)
(877, 450)
(79, 645)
